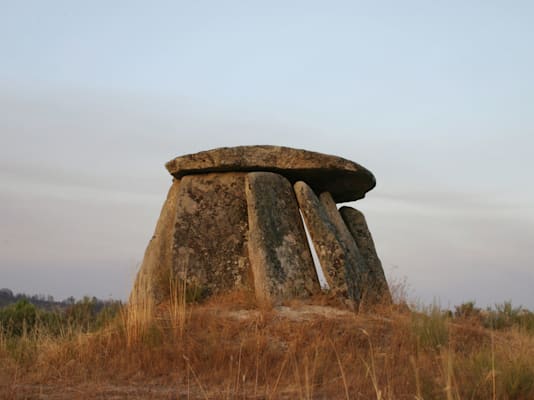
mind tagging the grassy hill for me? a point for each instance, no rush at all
(227, 349)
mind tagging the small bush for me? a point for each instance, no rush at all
(516, 378)
(82, 314)
(505, 316)
(430, 328)
(18, 318)
(467, 310)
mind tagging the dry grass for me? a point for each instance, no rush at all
(227, 349)
(139, 314)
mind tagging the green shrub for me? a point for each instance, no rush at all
(516, 378)
(467, 310)
(86, 315)
(107, 314)
(82, 314)
(505, 316)
(18, 318)
(430, 328)
(90, 314)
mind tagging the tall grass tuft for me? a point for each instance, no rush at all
(138, 315)
(431, 327)
(177, 309)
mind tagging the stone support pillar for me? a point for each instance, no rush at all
(281, 261)
(155, 271)
(377, 285)
(357, 270)
(210, 235)
(327, 242)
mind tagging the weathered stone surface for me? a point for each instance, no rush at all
(328, 245)
(344, 179)
(281, 261)
(151, 283)
(357, 273)
(232, 221)
(210, 238)
(377, 284)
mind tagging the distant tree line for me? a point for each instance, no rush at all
(46, 302)
(21, 313)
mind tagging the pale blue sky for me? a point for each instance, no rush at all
(436, 98)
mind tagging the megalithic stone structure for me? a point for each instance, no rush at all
(232, 221)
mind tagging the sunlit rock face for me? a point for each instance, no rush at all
(234, 221)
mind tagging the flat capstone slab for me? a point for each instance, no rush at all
(344, 179)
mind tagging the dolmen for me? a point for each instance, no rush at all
(235, 218)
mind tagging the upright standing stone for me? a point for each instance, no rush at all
(358, 270)
(280, 259)
(151, 284)
(210, 247)
(355, 221)
(328, 245)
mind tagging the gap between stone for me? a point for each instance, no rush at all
(316, 262)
